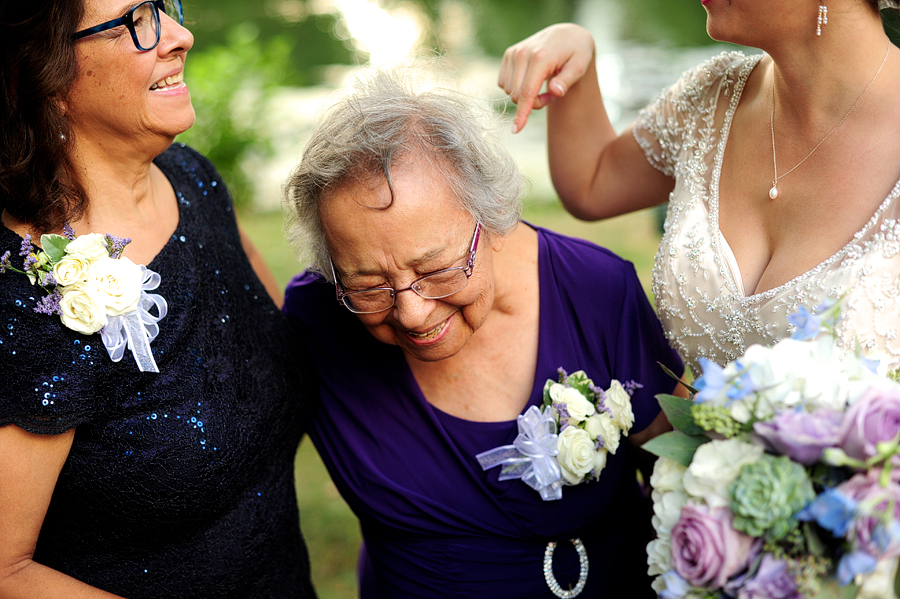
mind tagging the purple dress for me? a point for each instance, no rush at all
(434, 524)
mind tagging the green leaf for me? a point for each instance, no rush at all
(897, 583)
(675, 445)
(54, 246)
(832, 590)
(813, 542)
(678, 411)
(668, 371)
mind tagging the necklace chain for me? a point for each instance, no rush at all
(773, 193)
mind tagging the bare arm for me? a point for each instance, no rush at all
(29, 468)
(262, 269)
(596, 172)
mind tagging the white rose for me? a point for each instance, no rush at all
(82, 309)
(119, 282)
(556, 391)
(619, 403)
(71, 270)
(667, 475)
(659, 555)
(89, 247)
(667, 510)
(578, 407)
(599, 462)
(715, 465)
(576, 454)
(601, 425)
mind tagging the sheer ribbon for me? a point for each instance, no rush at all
(882, 4)
(532, 456)
(136, 329)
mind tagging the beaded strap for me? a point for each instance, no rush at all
(555, 588)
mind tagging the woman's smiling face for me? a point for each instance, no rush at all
(376, 243)
(123, 93)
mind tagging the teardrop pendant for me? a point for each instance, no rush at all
(773, 193)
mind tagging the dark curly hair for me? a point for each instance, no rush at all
(37, 179)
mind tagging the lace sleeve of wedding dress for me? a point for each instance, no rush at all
(684, 114)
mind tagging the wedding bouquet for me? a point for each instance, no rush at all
(781, 480)
(566, 442)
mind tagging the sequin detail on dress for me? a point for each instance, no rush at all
(179, 484)
(698, 292)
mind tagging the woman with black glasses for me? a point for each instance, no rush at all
(434, 343)
(151, 404)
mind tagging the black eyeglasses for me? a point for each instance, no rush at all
(435, 285)
(142, 22)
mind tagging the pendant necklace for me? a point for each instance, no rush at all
(773, 193)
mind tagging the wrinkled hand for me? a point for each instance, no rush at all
(559, 55)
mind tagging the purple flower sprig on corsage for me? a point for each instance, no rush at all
(568, 441)
(93, 288)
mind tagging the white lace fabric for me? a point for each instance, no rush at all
(698, 288)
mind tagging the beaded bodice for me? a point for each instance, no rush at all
(696, 281)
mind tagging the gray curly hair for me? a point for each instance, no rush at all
(385, 115)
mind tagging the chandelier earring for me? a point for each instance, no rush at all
(822, 20)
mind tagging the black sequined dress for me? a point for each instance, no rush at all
(178, 484)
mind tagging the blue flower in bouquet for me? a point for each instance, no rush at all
(712, 383)
(733, 383)
(808, 324)
(854, 564)
(832, 510)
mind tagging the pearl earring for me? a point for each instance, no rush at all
(822, 20)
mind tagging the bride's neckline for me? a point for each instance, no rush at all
(723, 250)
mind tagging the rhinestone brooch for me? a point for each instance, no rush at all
(555, 588)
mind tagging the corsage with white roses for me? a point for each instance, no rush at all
(566, 443)
(94, 289)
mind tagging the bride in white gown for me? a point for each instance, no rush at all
(782, 170)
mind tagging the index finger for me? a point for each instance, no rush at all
(529, 78)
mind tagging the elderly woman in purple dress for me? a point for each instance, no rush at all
(435, 316)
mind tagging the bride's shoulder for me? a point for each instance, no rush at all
(728, 66)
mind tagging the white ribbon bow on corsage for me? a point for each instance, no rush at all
(136, 329)
(532, 456)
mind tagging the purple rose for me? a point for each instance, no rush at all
(871, 420)
(870, 532)
(800, 435)
(706, 550)
(771, 581)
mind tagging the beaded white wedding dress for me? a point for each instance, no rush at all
(696, 281)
